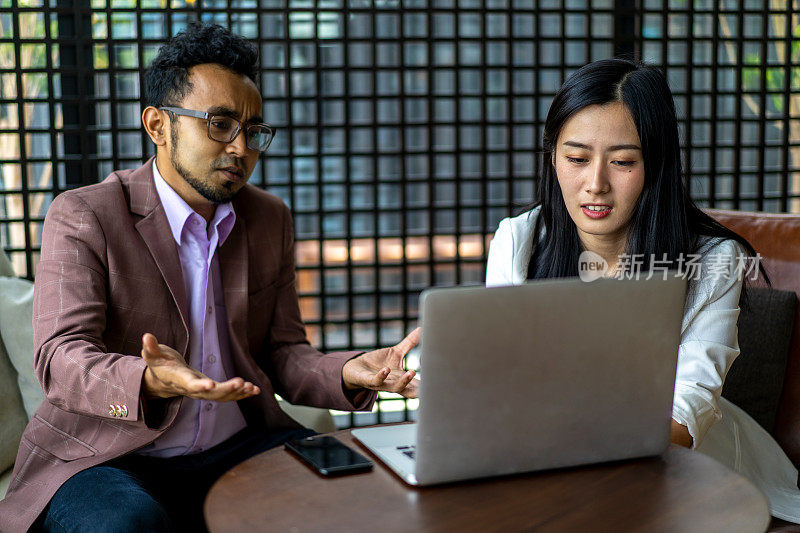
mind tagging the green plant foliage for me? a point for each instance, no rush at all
(775, 77)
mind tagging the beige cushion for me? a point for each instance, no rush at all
(320, 420)
(16, 333)
(12, 413)
(16, 364)
(5, 265)
(13, 417)
(5, 479)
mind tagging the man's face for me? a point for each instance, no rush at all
(215, 170)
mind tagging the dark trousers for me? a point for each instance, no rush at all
(137, 493)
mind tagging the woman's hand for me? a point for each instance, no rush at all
(679, 434)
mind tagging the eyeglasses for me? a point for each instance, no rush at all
(224, 129)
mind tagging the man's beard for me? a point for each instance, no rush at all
(207, 190)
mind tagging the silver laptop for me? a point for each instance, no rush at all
(550, 374)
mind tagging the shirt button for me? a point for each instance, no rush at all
(210, 309)
(212, 359)
(209, 406)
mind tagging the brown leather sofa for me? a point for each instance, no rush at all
(777, 238)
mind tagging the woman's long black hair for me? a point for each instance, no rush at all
(666, 222)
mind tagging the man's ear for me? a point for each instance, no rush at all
(155, 125)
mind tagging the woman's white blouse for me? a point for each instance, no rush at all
(709, 342)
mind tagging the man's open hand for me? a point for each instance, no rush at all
(383, 369)
(168, 375)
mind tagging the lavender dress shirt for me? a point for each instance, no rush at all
(200, 424)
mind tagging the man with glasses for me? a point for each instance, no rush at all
(166, 316)
(223, 127)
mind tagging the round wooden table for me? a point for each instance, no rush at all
(682, 491)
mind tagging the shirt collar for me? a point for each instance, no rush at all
(224, 219)
(178, 211)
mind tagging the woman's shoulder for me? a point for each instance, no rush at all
(716, 270)
(713, 248)
(510, 250)
(520, 225)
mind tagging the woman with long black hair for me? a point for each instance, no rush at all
(611, 185)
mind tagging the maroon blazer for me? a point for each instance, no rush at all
(110, 272)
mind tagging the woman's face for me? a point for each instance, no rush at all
(599, 167)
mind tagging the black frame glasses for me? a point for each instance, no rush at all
(253, 132)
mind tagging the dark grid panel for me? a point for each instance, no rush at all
(398, 134)
(406, 132)
(734, 69)
(28, 111)
(70, 100)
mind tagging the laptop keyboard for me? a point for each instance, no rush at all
(409, 451)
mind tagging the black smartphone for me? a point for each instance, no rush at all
(328, 455)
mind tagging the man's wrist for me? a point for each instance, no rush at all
(346, 383)
(152, 405)
(151, 386)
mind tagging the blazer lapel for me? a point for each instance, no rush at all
(234, 266)
(155, 231)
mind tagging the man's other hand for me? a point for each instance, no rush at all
(383, 369)
(168, 375)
